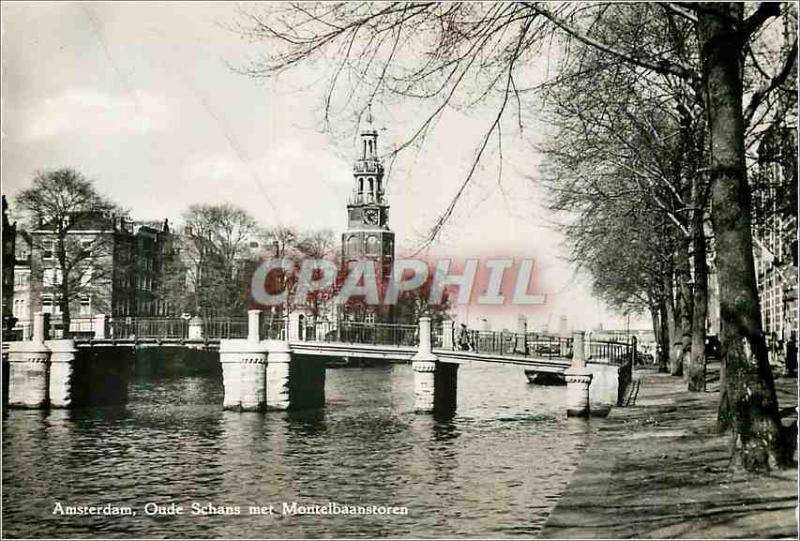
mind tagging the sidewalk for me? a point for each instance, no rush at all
(656, 469)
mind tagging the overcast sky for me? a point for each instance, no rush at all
(140, 98)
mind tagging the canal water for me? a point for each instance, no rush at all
(495, 470)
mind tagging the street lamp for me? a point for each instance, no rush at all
(628, 326)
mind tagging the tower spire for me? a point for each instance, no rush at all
(368, 234)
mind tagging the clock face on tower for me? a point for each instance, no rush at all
(371, 216)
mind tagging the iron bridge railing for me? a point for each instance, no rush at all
(538, 345)
(353, 332)
(129, 328)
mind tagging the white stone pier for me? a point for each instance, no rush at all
(278, 374)
(99, 326)
(29, 369)
(244, 369)
(62, 382)
(521, 340)
(435, 383)
(448, 334)
(424, 366)
(195, 329)
(578, 379)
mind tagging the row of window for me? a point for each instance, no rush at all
(372, 187)
(18, 310)
(21, 279)
(51, 305)
(352, 246)
(142, 283)
(48, 248)
(143, 307)
(53, 277)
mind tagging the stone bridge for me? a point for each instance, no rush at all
(279, 364)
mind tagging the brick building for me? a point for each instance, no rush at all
(115, 268)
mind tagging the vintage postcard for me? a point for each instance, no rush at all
(369, 270)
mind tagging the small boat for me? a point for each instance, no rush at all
(544, 378)
(337, 362)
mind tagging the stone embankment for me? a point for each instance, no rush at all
(657, 469)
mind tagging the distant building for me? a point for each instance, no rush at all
(562, 325)
(21, 294)
(9, 241)
(119, 266)
(775, 231)
(197, 282)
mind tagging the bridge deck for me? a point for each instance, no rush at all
(341, 349)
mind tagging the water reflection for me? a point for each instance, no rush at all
(493, 470)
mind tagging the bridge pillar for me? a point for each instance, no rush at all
(231, 376)
(99, 326)
(195, 331)
(424, 385)
(435, 383)
(254, 325)
(62, 372)
(253, 370)
(587, 346)
(448, 334)
(243, 374)
(521, 338)
(41, 327)
(278, 374)
(445, 389)
(29, 368)
(604, 388)
(295, 324)
(578, 379)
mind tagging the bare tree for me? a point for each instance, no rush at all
(317, 245)
(465, 55)
(74, 226)
(216, 246)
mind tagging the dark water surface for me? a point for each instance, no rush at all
(495, 470)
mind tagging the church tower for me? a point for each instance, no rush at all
(368, 234)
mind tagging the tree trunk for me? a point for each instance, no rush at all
(63, 286)
(671, 317)
(663, 337)
(683, 340)
(674, 307)
(748, 406)
(696, 368)
(656, 322)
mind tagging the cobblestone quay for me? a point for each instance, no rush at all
(656, 469)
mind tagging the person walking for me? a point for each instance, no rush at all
(463, 338)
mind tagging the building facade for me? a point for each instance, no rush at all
(113, 267)
(368, 236)
(775, 232)
(21, 295)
